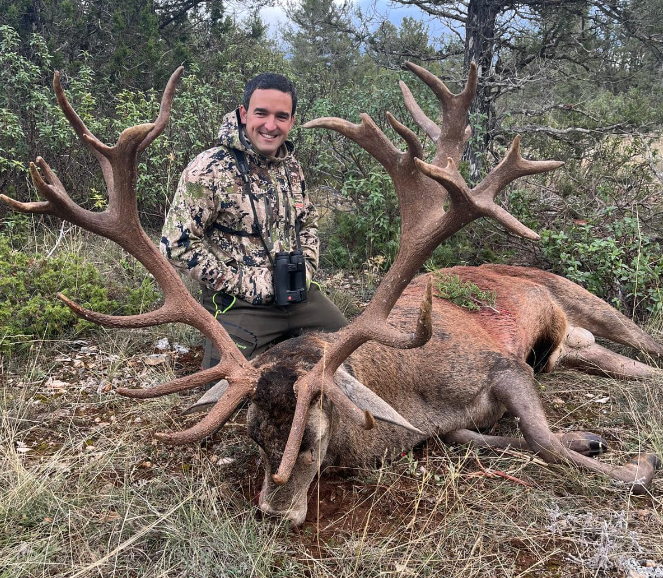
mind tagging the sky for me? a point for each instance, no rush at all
(275, 17)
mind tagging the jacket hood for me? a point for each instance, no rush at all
(232, 135)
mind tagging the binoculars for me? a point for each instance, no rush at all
(289, 278)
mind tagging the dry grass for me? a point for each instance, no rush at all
(86, 491)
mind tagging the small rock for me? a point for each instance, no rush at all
(155, 359)
(163, 344)
(180, 349)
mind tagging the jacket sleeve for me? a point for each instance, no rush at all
(184, 243)
(309, 234)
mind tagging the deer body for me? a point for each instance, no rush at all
(450, 384)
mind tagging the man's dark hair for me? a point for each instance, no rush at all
(270, 80)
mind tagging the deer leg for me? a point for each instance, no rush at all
(581, 352)
(585, 443)
(516, 391)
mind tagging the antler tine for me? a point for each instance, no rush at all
(216, 417)
(164, 110)
(418, 115)
(512, 167)
(55, 191)
(414, 147)
(366, 134)
(81, 129)
(453, 130)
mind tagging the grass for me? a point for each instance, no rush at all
(87, 492)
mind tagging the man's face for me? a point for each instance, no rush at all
(268, 120)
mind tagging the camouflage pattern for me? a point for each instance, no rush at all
(208, 233)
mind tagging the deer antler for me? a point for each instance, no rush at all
(120, 223)
(422, 189)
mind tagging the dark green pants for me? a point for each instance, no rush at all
(254, 328)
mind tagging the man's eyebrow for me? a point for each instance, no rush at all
(261, 110)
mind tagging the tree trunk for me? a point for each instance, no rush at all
(480, 48)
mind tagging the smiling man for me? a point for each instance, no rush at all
(241, 207)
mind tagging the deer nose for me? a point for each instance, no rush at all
(296, 513)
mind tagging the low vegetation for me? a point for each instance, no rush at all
(462, 293)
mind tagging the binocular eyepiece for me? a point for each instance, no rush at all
(289, 278)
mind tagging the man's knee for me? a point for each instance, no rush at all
(322, 314)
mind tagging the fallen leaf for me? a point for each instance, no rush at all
(56, 383)
(109, 516)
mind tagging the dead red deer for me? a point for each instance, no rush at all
(312, 406)
(476, 365)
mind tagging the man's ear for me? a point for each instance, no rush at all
(242, 114)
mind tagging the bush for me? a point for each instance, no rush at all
(30, 311)
(611, 258)
(373, 229)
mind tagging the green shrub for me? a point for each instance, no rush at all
(611, 258)
(29, 309)
(462, 293)
(372, 229)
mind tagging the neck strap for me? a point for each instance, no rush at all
(243, 168)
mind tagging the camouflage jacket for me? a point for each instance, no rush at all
(208, 233)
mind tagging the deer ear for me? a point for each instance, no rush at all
(207, 401)
(366, 399)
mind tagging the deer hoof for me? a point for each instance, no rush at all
(585, 443)
(643, 468)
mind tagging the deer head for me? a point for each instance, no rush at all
(423, 189)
